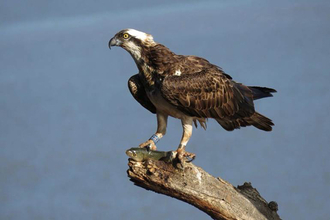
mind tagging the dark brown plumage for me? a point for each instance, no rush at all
(211, 94)
(136, 88)
(203, 90)
(188, 87)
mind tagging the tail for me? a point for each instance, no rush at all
(257, 120)
(260, 121)
(261, 92)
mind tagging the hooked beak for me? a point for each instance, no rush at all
(113, 42)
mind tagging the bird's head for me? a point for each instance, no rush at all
(132, 41)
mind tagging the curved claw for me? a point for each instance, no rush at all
(184, 157)
(190, 157)
(149, 144)
(148, 147)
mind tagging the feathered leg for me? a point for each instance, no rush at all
(161, 131)
(182, 155)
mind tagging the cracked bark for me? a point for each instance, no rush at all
(214, 196)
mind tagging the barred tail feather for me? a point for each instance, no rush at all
(261, 92)
(260, 121)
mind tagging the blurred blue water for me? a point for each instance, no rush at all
(67, 116)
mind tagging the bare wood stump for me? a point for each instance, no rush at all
(214, 196)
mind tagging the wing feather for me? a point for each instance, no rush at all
(136, 88)
(202, 90)
(209, 94)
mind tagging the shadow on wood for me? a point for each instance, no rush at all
(214, 196)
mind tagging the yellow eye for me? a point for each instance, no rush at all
(125, 36)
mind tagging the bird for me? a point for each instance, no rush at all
(189, 88)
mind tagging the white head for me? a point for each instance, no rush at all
(133, 41)
(140, 35)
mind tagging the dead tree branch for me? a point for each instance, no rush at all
(214, 196)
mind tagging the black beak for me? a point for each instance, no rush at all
(113, 42)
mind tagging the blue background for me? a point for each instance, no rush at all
(67, 117)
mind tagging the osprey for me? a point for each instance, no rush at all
(189, 88)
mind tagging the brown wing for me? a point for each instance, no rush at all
(194, 64)
(165, 62)
(210, 94)
(137, 90)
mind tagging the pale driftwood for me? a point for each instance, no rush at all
(214, 196)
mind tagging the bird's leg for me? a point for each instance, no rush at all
(161, 130)
(182, 155)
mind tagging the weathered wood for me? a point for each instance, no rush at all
(214, 196)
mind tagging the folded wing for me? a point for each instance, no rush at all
(210, 93)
